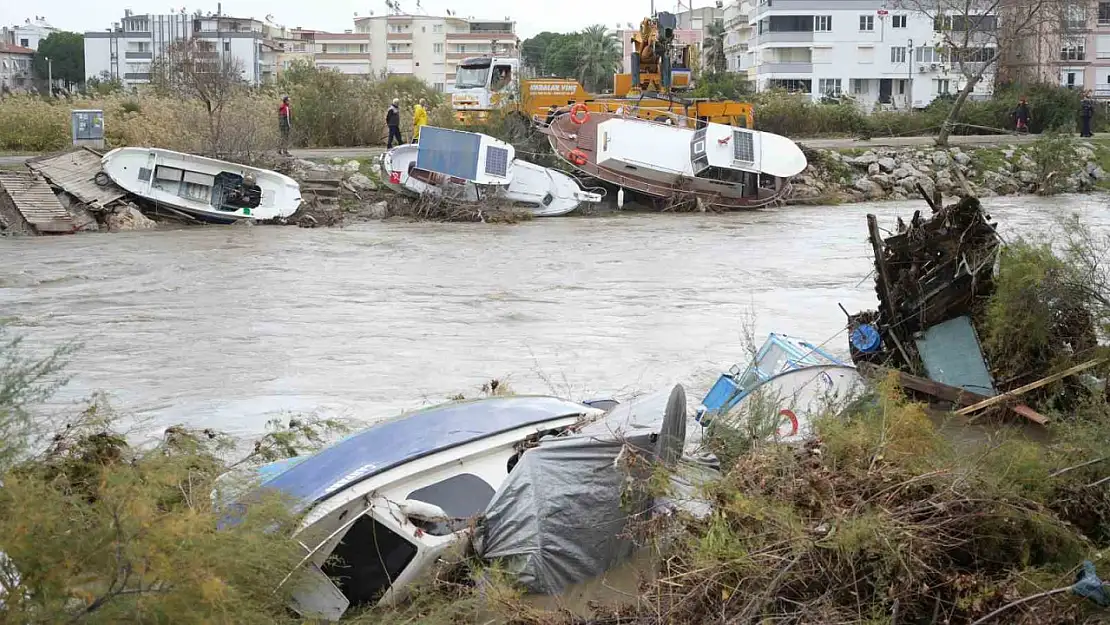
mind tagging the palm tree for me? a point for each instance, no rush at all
(599, 57)
(714, 47)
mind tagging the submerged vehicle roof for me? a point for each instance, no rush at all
(392, 443)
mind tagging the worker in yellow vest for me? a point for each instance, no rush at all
(419, 118)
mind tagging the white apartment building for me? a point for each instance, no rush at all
(29, 33)
(430, 47)
(853, 47)
(738, 33)
(127, 50)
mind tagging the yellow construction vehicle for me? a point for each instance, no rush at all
(653, 90)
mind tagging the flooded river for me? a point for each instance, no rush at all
(228, 327)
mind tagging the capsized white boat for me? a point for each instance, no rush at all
(419, 170)
(723, 166)
(204, 188)
(380, 507)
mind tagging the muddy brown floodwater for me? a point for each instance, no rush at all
(228, 327)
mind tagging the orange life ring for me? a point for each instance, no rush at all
(579, 109)
(792, 418)
(577, 157)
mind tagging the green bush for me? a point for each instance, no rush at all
(333, 109)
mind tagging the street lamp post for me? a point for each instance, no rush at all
(49, 76)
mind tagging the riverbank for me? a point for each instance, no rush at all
(1045, 164)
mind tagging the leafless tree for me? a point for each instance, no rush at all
(973, 35)
(195, 69)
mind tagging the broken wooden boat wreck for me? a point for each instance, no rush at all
(720, 166)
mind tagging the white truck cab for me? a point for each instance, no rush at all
(482, 82)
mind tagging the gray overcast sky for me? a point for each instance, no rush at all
(337, 15)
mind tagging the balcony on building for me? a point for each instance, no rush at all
(786, 61)
(492, 28)
(1103, 15)
(784, 29)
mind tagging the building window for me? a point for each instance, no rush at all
(437, 28)
(867, 22)
(829, 87)
(227, 46)
(439, 87)
(898, 54)
(437, 48)
(902, 87)
(363, 48)
(898, 21)
(394, 48)
(926, 54)
(1103, 13)
(860, 86)
(943, 86)
(1073, 51)
(822, 23)
(1075, 17)
(25, 43)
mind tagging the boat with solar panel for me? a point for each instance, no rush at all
(471, 167)
(722, 166)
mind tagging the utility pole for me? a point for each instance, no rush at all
(909, 79)
(49, 77)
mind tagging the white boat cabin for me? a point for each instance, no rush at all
(715, 152)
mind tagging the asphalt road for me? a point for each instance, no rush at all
(969, 140)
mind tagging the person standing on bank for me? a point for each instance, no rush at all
(1021, 114)
(285, 125)
(419, 119)
(1087, 114)
(393, 121)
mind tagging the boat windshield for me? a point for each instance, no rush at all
(472, 76)
(367, 561)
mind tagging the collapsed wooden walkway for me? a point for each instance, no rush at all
(28, 206)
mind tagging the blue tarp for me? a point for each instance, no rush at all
(391, 443)
(449, 152)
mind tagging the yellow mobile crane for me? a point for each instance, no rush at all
(660, 67)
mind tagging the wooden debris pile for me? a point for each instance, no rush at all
(931, 271)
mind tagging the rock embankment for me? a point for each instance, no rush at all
(1054, 166)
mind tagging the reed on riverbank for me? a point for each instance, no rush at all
(334, 110)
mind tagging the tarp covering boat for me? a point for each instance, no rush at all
(562, 515)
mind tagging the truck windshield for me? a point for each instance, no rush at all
(470, 77)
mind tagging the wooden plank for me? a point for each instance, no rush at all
(884, 280)
(948, 393)
(1031, 386)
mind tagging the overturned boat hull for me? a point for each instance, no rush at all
(722, 166)
(206, 189)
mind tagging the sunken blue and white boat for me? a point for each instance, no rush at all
(381, 506)
(788, 384)
(203, 188)
(472, 167)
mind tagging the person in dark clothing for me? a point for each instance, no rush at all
(1021, 115)
(285, 125)
(393, 121)
(1087, 114)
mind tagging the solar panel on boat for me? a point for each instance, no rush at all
(448, 152)
(743, 143)
(497, 161)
